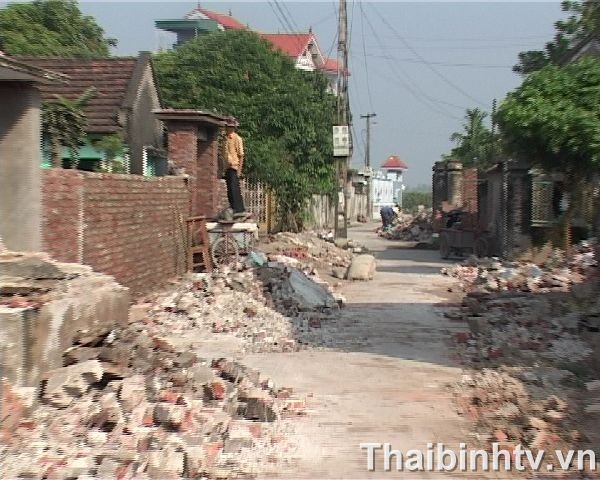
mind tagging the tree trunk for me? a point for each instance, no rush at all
(56, 154)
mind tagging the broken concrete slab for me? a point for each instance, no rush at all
(77, 305)
(307, 293)
(36, 266)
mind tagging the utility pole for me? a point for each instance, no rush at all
(343, 118)
(368, 118)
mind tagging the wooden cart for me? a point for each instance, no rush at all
(460, 239)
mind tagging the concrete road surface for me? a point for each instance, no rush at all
(390, 379)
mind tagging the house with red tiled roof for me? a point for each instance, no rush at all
(302, 48)
(226, 22)
(126, 95)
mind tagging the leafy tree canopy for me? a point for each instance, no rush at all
(583, 20)
(413, 198)
(474, 143)
(285, 114)
(553, 118)
(51, 28)
(64, 124)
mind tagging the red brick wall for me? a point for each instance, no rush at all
(133, 227)
(62, 197)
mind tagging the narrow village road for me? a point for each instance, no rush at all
(391, 379)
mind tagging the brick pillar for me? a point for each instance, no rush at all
(182, 154)
(207, 182)
(518, 216)
(455, 184)
(193, 147)
(439, 194)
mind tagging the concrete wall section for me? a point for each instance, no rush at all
(80, 306)
(20, 157)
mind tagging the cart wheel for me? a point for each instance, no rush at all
(481, 247)
(225, 251)
(444, 247)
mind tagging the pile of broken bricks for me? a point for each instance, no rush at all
(533, 347)
(132, 405)
(311, 249)
(139, 402)
(558, 272)
(410, 228)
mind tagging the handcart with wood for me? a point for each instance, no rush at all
(462, 236)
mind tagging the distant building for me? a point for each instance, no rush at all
(387, 184)
(198, 22)
(302, 48)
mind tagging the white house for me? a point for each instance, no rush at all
(387, 184)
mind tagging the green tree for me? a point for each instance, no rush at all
(51, 28)
(583, 20)
(285, 114)
(474, 142)
(114, 149)
(553, 119)
(64, 124)
(412, 198)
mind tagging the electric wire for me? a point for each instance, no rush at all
(415, 90)
(364, 48)
(431, 67)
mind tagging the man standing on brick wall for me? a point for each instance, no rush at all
(234, 154)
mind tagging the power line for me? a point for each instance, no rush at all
(474, 39)
(279, 19)
(291, 17)
(362, 27)
(464, 47)
(284, 16)
(441, 64)
(417, 93)
(418, 55)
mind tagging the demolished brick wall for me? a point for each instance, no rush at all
(128, 226)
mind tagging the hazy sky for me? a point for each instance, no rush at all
(418, 72)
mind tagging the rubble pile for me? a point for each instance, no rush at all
(512, 412)
(556, 273)
(143, 401)
(530, 332)
(133, 405)
(310, 248)
(412, 228)
(273, 308)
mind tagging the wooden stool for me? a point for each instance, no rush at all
(198, 244)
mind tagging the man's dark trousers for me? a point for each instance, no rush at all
(234, 194)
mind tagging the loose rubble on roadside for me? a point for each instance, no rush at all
(533, 347)
(145, 402)
(411, 228)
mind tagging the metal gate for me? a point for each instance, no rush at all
(259, 201)
(542, 214)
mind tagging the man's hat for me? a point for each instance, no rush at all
(232, 122)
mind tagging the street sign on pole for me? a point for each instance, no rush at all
(341, 141)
